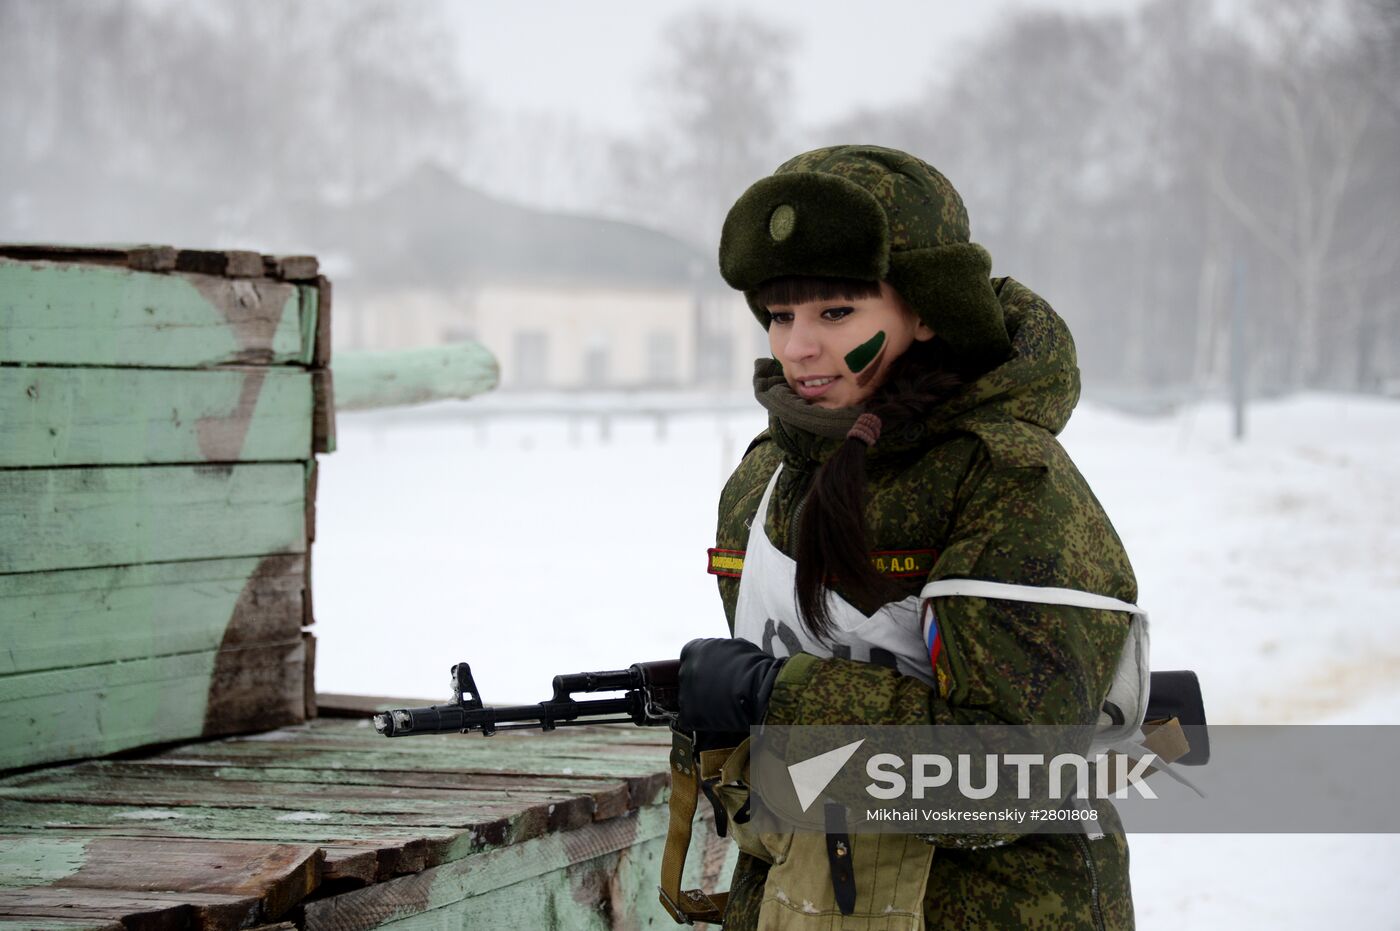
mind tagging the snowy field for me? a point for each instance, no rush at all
(534, 546)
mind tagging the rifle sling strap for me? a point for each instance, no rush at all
(690, 905)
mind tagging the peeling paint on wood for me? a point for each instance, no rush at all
(80, 517)
(322, 355)
(58, 313)
(408, 848)
(323, 411)
(279, 874)
(65, 714)
(108, 416)
(58, 924)
(413, 376)
(137, 911)
(291, 267)
(84, 617)
(230, 263)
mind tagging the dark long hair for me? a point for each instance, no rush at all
(833, 544)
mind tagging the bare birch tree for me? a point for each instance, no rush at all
(721, 93)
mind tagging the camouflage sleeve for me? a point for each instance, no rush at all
(738, 504)
(1001, 661)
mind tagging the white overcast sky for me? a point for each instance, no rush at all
(589, 60)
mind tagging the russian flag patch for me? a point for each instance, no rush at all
(932, 638)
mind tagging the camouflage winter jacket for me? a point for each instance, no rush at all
(984, 484)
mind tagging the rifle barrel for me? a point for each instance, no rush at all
(451, 718)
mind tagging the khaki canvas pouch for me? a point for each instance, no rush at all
(891, 870)
(891, 874)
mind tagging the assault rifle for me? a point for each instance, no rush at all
(650, 699)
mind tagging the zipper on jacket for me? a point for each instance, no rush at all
(796, 521)
(1082, 843)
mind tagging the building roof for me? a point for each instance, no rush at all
(432, 231)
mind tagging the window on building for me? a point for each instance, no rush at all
(716, 359)
(661, 358)
(595, 362)
(531, 359)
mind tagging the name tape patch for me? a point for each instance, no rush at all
(897, 564)
(728, 563)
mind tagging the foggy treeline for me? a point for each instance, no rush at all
(1147, 172)
(1160, 175)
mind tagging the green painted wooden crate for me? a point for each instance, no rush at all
(159, 415)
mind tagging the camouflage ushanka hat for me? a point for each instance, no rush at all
(872, 214)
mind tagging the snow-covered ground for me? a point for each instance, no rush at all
(533, 546)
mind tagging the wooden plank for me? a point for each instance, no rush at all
(80, 517)
(256, 687)
(348, 863)
(282, 824)
(312, 475)
(67, 714)
(229, 824)
(322, 357)
(291, 267)
(116, 416)
(308, 616)
(645, 778)
(280, 875)
(644, 745)
(584, 798)
(418, 807)
(453, 894)
(85, 617)
(309, 684)
(366, 380)
(476, 754)
(230, 263)
(59, 924)
(609, 797)
(106, 783)
(323, 413)
(151, 258)
(137, 911)
(57, 313)
(308, 310)
(142, 258)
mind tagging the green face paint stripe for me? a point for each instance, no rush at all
(861, 356)
(866, 377)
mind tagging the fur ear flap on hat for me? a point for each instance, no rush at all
(950, 288)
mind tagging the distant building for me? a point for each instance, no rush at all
(565, 302)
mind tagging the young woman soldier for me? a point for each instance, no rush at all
(913, 404)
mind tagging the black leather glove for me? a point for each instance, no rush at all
(725, 684)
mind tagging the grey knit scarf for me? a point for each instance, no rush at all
(783, 403)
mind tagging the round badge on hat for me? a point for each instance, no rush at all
(781, 222)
